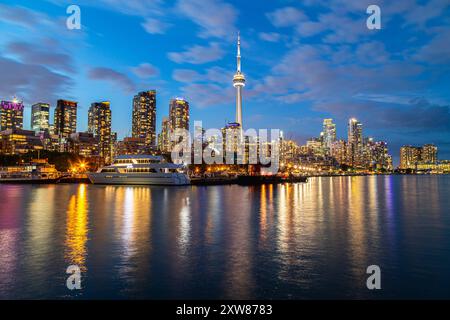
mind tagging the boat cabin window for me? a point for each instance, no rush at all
(108, 170)
(122, 161)
(144, 161)
(141, 170)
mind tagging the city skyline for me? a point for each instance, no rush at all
(398, 115)
(359, 151)
(100, 127)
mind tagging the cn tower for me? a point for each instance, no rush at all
(239, 83)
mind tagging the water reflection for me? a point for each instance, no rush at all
(39, 239)
(357, 216)
(9, 236)
(214, 203)
(133, 216)
(263, 215)
(312, 240)
(238, 281)
(8, 258)
(185, 225)
(77, 229)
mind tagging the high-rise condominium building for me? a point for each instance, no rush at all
(83, 143)
(144, 117)
(429, 153)
(178, 117)
(329, 135)
(355, 143)
(289, 151)
(40, 114)
(314, 146)
(231, 139)
(376, 155)
(164, 136)
(99, 124)
(113, 143)
(409, 157)
(11, 114)
(65, 118)
(18, 141)
(179, 114)
(130, 145)
(339, 151)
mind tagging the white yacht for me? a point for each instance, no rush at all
(140, 169)
(37, 171)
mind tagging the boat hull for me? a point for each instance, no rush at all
(139, 179)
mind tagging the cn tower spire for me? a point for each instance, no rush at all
(239, 53)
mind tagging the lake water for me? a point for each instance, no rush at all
(293, 241)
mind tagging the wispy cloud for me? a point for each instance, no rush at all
(129, 7)
(418, 115)
(32, 82)
(212, 75)
(215, 17)
(208, 95)
(155, 26)
(186, 75)
(270, 36)
(198, 54)
(152, 12)
(22, 16)
(437, 50)
(145, 71)
(38, 67)
(113, 76)
(41, 55)
(286, 17)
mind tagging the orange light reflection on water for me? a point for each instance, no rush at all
(77, 228)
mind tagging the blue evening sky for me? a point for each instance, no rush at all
(303, 60)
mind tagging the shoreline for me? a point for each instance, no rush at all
(215, 181)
